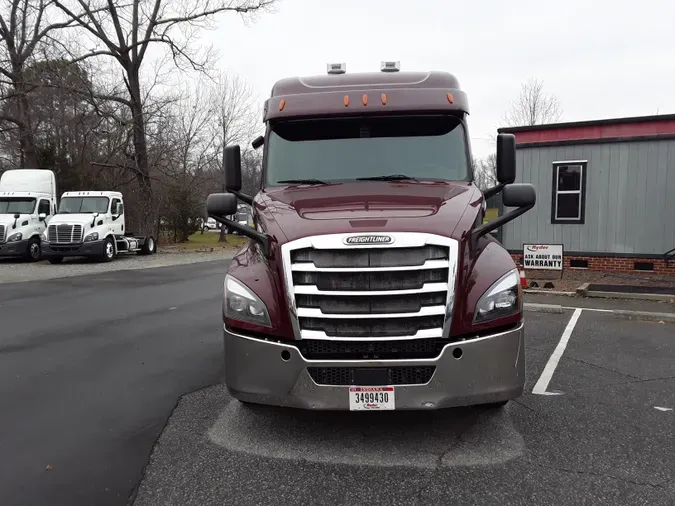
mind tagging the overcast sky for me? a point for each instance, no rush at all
(601, 58)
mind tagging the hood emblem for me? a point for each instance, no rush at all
(368, 239)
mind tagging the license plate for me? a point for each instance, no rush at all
(371, 398)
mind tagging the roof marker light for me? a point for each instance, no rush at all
(364, 99)
(383, 98)
(346, 100)
(337, 68)
(451, 99)
(390, 66)
(282, 104)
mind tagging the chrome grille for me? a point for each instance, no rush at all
(358, 292)
(64, 234)
(2, 233)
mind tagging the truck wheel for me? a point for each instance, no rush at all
(34, 250)
(55, 260)
(149, 246)
(108, 250)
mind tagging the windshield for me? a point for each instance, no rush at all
(70, 205)
(431, 148)
(24, 205)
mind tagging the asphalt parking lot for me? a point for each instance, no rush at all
(89, 380)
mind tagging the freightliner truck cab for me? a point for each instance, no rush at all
(27, 204)
(91, 224)
(370, 281)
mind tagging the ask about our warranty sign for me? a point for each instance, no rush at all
(543, 256)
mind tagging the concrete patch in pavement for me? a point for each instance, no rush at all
(543, 308)
(448, 438)
(645, 315)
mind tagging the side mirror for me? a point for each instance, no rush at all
(519, 195)
(232, 166)
(258, 141)
(17, 216)
(42, 216)
(221, 204)
(506, 158)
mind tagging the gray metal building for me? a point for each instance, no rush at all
(605, 190)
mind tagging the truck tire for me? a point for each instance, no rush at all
(34, 253)
(108, 250)
(149, 246)
(55, 260)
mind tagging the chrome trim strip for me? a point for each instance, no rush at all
(311, 312)
(421, 361)
(429, 264)
(427, 288)
(320, 335)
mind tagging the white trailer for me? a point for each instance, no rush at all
(91, 224)
(27, 204)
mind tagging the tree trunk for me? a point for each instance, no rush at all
(223, 235)
(144, 219)
(25, 125)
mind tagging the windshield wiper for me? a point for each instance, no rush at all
(390, 177)
(302, 181)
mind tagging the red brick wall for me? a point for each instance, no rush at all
(614, 264)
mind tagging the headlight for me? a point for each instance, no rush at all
(502, 299)
(45, 236)
(91, 237)
(14, 237)
(242, 304)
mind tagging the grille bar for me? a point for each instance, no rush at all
(2, 233)
(426, 288)
(320, 335)
(308, 312)
(429, 264)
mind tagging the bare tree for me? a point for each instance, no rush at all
(237, 111)
(125, 29)
(533, 107)
(24, 26)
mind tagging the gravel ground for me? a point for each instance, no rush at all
(15, 271)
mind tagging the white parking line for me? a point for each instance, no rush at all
(545, 378)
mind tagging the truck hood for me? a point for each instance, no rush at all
(8, 220)
(72, 219)
(291, 213)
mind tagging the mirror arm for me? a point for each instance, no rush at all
(493, 191)
(480, 231)
(262, 239)
(247, 199)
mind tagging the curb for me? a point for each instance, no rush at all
(536, 291)
(585, 292)
(543, 308)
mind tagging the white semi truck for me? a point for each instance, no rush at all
(27, 204)
(91, 224)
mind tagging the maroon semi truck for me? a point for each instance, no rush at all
(370, 281)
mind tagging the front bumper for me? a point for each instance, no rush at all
(14, 249)
(86, 249)
(491, 369)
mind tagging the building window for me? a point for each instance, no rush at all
(568, 199)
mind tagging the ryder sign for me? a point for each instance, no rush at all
(543, 256)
